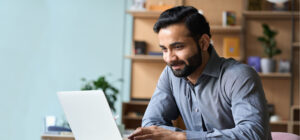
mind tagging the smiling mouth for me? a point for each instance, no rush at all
(177, 67)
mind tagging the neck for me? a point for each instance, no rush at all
(197, 73)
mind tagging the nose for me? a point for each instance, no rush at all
(169, 56)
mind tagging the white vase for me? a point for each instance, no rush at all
(268, 65)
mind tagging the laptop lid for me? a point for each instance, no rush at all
(89, 115)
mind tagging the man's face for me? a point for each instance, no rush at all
(180, 51)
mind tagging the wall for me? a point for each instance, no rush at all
(48, 46)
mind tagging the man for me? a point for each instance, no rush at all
(217, 98)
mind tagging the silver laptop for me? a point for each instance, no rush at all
(89, 115)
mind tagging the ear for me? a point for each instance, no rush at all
(204, 42)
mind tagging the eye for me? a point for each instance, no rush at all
(178, 47)
(163, 49)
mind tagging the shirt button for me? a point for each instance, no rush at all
(196, 110)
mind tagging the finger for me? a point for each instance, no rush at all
(144, 137)
(138, 131)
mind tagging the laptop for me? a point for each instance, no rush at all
(89, 115)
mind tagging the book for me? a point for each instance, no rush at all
(229, 18)
(231, 47)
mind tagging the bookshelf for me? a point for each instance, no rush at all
(145, 69)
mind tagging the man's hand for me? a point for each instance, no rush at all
(156, 133)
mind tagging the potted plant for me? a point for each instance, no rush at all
(270, 50)
(109, 90)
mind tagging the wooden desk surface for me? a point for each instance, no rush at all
(57, 137)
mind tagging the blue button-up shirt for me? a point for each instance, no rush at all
(227, 102)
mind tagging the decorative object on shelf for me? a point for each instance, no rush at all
(109, 90)
(254, 62)
(284, 66)
(140, 47)
(231, 47)
(279, 5)
(138, 5)
(268, 65)
(275, 118)
(254, 5)
(54, 125)
(229, 18)
(200, 11)
(269, 44)
(49, 121)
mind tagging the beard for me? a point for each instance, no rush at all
(193, 63)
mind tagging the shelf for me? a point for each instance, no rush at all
(225, 29)
(280, 123)
(275, 75)
(145, 57)
(296, 44)
(296, 122)
(295, 107)
(145, 103)
(270, 14)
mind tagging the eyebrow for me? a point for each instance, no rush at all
(172, 44)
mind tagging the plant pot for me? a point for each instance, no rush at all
(268, 65)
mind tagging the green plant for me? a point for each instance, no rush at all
(109, 90)
(268, 41)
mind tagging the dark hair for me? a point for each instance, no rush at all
(194, 21)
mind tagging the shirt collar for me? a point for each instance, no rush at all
(213, 65)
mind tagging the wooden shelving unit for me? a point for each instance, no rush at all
(296, 44)
(275, 75)
(280, 126)
(283, 122)
(295, 119)
(145, 69)
(226, 29)
(132, 113)
(270, 14)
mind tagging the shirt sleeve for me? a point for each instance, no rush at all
(248, 105)
(162, 108)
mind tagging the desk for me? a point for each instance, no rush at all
(60, 137)
(57, 137)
